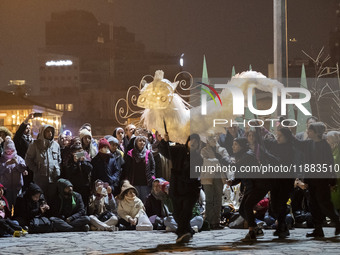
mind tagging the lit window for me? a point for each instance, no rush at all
(59, 107)
(69, 107)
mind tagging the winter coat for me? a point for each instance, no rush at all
(43, 157)
(210, 158)
(72, 207)
(105, 169)
(317, 153)
(335, 195)
(130, 210)
(78, 173)
(181, 183)
(98, 204)
(248, 158)
(11, 175)
(25, 208)
(118, 154)
(131, 168)
(8, 133)
(154, 206)
(22, 141)
(6, 210)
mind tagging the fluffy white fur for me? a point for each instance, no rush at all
(180, 120)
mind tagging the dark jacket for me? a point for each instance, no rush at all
(72, 207)
(105, 169)
(318, 153)
(180, 182)
(145, 168)
(154, 206)
(248, 158)
(78, 173)
(25, 208)
(22, 141)
(226, 140)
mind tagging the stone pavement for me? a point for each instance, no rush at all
(225, 241)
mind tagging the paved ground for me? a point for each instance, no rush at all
(225, 241)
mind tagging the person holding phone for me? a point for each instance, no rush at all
(78, 171)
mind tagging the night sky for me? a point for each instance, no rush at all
(228, 32)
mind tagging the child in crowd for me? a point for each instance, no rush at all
(12, 169)
(102, 208)
(130, 207)
(7, 226)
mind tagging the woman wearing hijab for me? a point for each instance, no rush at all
(119, 134)
(140, 167)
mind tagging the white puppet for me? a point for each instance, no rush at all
(162, 104)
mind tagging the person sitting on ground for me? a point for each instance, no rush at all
(29, 205)
(102, 208)
(155, 206)
(130, 207)
(7, 226)
(70, 214)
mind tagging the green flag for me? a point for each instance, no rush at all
(233, 72)
(301, 117)
(205, 78)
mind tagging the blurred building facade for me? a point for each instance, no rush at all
(87, 66)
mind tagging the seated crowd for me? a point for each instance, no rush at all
(120, 182)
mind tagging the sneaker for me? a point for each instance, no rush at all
(24, 232)
(195, 228)
(17, 233)
(251, 236)
(260, 224)
(258, 232)
(316, 233)
(184, 238)
(282, 234)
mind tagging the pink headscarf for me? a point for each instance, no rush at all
(9, 145)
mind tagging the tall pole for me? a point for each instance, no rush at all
(280, 40)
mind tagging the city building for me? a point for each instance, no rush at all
(87, 66)
(14, 109)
